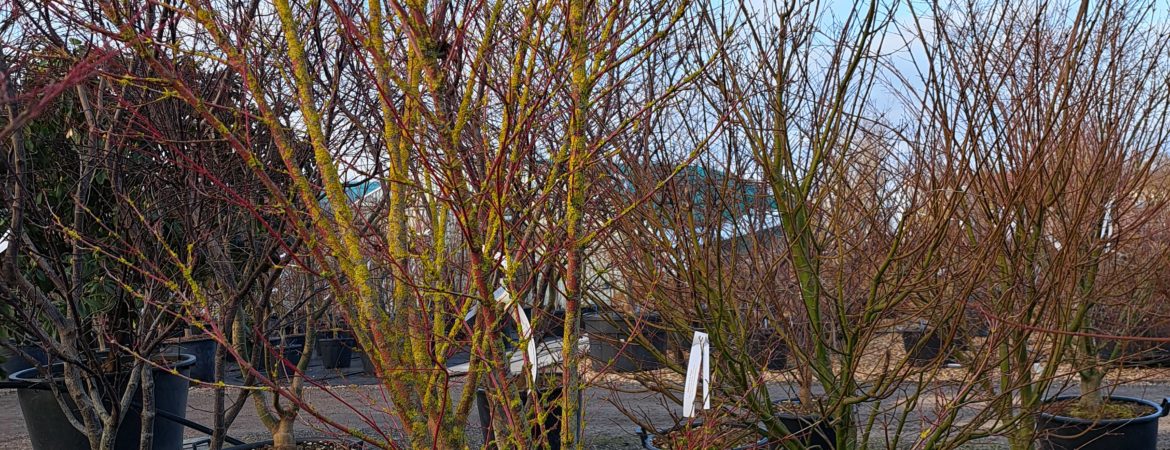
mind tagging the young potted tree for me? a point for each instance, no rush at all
(455, 154)
(81, 208)
(1062, 197)
(860, 228)
(1118, 250)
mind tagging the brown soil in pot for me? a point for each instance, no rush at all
(1109, 410)
(797, 408)
(703, 436)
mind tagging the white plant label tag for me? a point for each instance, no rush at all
(523, 324)
(471, 312)
(699, 365)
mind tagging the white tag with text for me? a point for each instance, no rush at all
(698, 366)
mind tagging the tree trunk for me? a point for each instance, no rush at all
(146, 440)
(1092, 398)
(282, 438)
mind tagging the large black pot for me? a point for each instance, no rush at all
(335, 352)
(552, 421)
(1136, 353)
(1067, 433)
(647, 439)
(771, 349)
(288, 351)
(367, 364)
(204, 349)
(15, 362)
(612, 348)
(332, 334)
(765, 350)
(548, 324)
(49, 429)
(813, 432)
(921, 346)
(924, 347)
(1139, 352)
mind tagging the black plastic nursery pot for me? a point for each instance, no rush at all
(548, 324)
(1136, 353)
(612, 348)
(203, 348)
(647, 439)
(1139, 352)
(925, 346)
(49, 429)
(922, 346)
(15, 362)
(1067, 433)
(770, 348)
(812, 431)
(552, 422)
(975, 324)
(767, 351)
(289, 348)
(335, 352)
(333, 334)
(367, 364)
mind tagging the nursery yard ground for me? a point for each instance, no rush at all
(355, 399)
(358, 398)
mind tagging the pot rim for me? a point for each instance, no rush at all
(1159, 411)
(258, 444)
(190, 339)
(32, 374)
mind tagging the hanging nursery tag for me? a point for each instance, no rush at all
(699, 365)
(524, 326)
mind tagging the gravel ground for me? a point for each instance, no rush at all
(356, 400)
